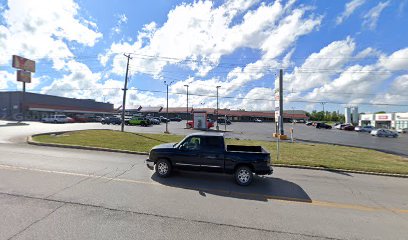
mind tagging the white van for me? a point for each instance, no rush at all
(55, 119)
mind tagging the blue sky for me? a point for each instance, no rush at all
(351, 52)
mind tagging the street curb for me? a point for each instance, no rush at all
(14, 124)
(346, 145)
(32, 142)
(340, 170)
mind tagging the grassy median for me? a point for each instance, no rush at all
(316, 155)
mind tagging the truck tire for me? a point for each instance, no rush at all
(163, 168)
(243, 176)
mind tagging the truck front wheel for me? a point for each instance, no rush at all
(163, 168)
(243, 176)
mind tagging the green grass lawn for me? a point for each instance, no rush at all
(316, 155)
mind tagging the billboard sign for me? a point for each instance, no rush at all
(23, 76)
(23, 63)
(277, 104)
(200, 120)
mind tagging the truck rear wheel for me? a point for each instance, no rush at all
(243, 176)
(163, 168)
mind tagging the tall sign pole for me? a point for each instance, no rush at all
(26, 67)
(281, 131)
(187, 104)
(225, 120)
(122, 128)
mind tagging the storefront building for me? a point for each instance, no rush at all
(385, 120)
(401, 120)
(37, 106)
(367, 120)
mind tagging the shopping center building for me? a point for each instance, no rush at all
(36, 106)
(385, 120)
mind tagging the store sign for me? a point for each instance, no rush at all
(366, 117)
(23, 76)
(23, 63)
(401, 116)
(383, 117)
(277, 104)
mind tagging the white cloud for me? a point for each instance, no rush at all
(259, 93)
(39, 29)
(319, 68)
(371, 18)
(397, 94)
(6, 79)
(201, 34)
(396, 61)
(349, 9)
(122, 19)
(351, 85)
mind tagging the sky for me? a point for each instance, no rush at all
(333, 53)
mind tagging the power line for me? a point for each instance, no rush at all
(318, 101)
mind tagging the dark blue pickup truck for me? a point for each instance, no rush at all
(208, 152)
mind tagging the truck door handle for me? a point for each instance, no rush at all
(211, 157)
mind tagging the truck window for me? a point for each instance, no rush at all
(213, 143)
(193, 143)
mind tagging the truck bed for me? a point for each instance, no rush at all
(241, 148)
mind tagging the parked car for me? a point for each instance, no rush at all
(190, 124)
(139, 121)
(348, 128)
(111, 120)
(55, 119)
(342, 126)
(323, 125)
(175, 119)
(94, 119)
(164, 120)
(363, 128)
(384, 133)
(257, 120)
(224, 121)
(402, 130)
(309, 123)
(70, 120)
(154, 121)
(208, 152)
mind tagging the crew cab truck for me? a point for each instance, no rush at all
(208, 152)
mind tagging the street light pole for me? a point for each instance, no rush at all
(187, 103)
(218, 128)
(167, 109)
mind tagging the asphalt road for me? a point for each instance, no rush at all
(52, 193)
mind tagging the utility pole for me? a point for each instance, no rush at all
(167, 109)
(187, 103)
(281, 130)
(124, 93)
(23, 102)
(225, 120)
(324, 113)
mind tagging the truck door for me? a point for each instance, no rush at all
(212, 153)
(188, 156)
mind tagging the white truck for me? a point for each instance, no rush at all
(55, 119)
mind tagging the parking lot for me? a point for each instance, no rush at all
(242, 130)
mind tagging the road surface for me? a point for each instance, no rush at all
(52, 193)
